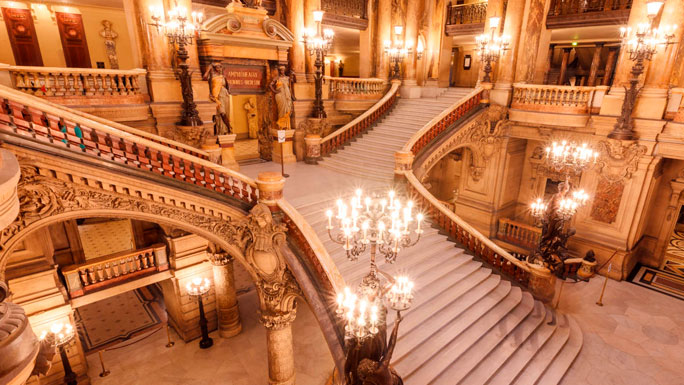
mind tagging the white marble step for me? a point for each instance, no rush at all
(555, 371)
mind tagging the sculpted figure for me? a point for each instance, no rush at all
(283, 97)
(219, 93)
(252, 121)
(110, 45)
(372, 372)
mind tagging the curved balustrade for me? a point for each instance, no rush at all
(361, 123)
(34, 118)
(466, 13)
(356, 88)
(550, 98)
(518, 234)
(467, 235)
(443, 121)
(67, 82)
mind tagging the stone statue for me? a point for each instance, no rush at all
(219, 93)
(109, 36)
(380, 372)
(252, 121)
(283, 97)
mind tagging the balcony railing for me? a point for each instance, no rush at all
(569, 13)
(357, 88)
(518, 233)
(113, 269)
(550, 98)
(83, 83)
(466, 18)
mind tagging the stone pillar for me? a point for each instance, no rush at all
(595, 62)
(610, 64)
(270, 185)
(227, 145)
(637, 15)
(281, 370)
(530, 37)
(295, 23)
(383, 33)
(313, 148)
(309, 7)
(494, 9)
(501, 93)
(564, 66)
(366, 69)
(229, 323)
(411, 38)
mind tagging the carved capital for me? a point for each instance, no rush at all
(220, 258)
(277, 321)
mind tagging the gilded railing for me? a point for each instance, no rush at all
(361, 123)
(441, 122)
(474, 13)
(550, 98)
(356, 88)
(113, 269)
(33, 118)
(577, 7)
(518, 233)
(70, 82)
(465, 234)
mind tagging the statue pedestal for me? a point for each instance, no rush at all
(226, 143)
(313, 148)
(282, 152)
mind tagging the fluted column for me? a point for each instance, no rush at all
(530, 36)
(279, 344)
(501, 92)
(229, 323)
(384, 26)
(411, 38)
(309, 7)
(295, 23)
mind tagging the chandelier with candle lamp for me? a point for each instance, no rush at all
(60, 335)
(318, 42)
(180, 28)
(396, 51)
(641, 43)
(197, 288)
(491, 48)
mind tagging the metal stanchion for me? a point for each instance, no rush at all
(281, 140)
(104, 372)
(168, 337)
(603, 290)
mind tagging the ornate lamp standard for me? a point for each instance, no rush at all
(60, 336)
(641, 44)
(379, 225)
(180, 31)
(318, 42)
(197, 288)
(564, 158)
(491, 47)
(397, 51)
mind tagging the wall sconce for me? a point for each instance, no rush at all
(420, 48)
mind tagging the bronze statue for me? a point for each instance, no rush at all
(280, 86)
(219, 93)
(372, 372)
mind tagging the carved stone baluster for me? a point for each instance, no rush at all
(107, 271)
(143, 260)
(138, 263)
(89, 84)
(61, 82)
(84, 277)
(91, 275)
(150, 258)
(131, 265)
(98, 274)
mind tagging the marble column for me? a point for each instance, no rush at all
(228, 313)
(281, 369)
(366, 69)
(564, 66)
(295, 23)
(530, 36)
(309, 7)
(637, 15)
(595, 62)
(610, 64)
(494, 9)
(383, 34)
(502, 90)
(411, 37)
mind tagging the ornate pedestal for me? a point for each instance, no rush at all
(313, 148)
(283, 151)
(226, 143)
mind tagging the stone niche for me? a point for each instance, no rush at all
(250, 46)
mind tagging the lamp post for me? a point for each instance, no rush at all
(566, 158)
(197, 288)
(641, 44)
(397, 51)
(491, 47)
(180, 30)
(61, 335)
(318, 41)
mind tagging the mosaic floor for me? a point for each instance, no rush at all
(661, 281)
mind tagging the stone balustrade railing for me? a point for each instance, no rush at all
(113, 269)
(361, 123)
(76, 82)
(551, 98)
(356, 88)
(518, 233)
(473, 13)
(35, 119)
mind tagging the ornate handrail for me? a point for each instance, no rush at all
(33, 118)
(577, 7)
(70, 82)
(356, 88)
(441, 122)
(361, 123)
(518, 233)
(550, 98)
(465, 234)
(113, 269)
(147, 135)
(474, 13)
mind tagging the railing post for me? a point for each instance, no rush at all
(403, 161)
(270, 185)
(313, 148)
(160, 257)
(542, 283)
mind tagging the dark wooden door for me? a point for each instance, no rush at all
(74, 42)
(22, 36)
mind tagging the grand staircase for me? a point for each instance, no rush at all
(372, 157)
(467, 325)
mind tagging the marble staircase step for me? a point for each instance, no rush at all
(555, 371)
